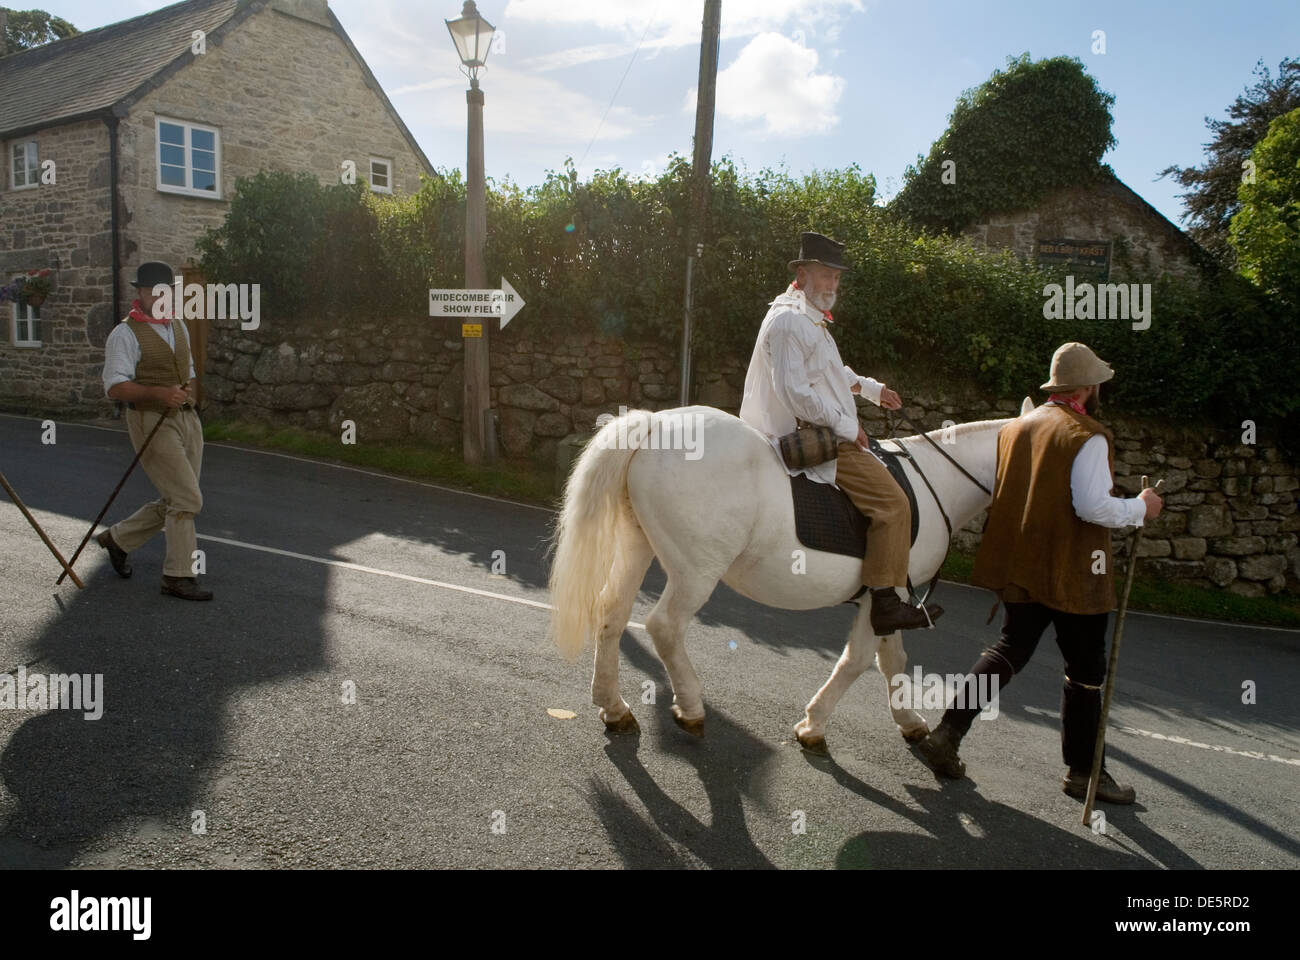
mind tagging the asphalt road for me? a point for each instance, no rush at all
(231, 715)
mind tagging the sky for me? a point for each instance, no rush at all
(804, 84)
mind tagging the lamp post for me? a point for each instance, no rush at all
(473, 38)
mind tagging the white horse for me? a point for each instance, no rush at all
(721, 510)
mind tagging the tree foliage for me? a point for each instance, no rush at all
(1028, 129)
(32, 28)
(607, 255)
(1265, 232)
(1212, 200)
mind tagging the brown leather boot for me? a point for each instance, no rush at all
(1076, 785)
(187, 588)
(940, 750)
(116, 555)
(888, 613)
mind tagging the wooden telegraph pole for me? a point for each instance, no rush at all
(477, 376)
(704, 109)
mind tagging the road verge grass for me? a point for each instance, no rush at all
(513, 481)
(1176, 599)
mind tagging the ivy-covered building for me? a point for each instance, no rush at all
(1102, 228)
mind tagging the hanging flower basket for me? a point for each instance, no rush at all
(36, 286)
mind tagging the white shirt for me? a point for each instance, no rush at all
(1090, 483)
(796, 373)
(122, 351)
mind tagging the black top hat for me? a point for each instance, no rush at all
(151, 273)
(815, 248)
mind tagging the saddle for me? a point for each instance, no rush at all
(825, 518)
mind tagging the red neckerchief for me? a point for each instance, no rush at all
(825, 313)
(137, 313)
(1069, 402)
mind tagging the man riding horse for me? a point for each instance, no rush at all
(796, 378)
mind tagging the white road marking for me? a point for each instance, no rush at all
(1137, 732)
(360, 568)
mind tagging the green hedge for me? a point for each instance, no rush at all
(606, 254)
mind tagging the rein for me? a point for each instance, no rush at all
(906, 454)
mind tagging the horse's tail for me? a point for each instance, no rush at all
(586, 534)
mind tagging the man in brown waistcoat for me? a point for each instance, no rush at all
(1046, 553)
(147, 365)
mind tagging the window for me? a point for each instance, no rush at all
(24, 167)
(189, 158)
(381, 175)
(25, 329)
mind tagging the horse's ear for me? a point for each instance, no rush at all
(1026, 406)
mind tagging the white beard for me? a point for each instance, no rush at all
(823, 301)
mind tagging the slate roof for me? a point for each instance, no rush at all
(94, 70)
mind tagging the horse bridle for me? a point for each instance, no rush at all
(905, 454)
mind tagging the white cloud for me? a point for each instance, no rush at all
(774, 81)
(673, 23)
(528, 105)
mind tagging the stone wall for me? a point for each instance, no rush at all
(1144, 243)
(63, 226)
(1231, 509)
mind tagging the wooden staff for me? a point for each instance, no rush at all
(1095, 777)
(89, 533)
(13, 495)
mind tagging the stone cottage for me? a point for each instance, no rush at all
(1104, 229)
(124, 143)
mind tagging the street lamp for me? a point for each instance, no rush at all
(473, 38)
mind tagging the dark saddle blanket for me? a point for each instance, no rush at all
(826, 519)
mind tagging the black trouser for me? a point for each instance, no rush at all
(1082, 639)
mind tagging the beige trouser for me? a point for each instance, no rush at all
(877, 494)
(172, 462)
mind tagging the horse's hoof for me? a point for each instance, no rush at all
(694, 727)
(815, 745)
(917, 735)
(624, 724)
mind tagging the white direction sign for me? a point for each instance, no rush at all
(476, 304)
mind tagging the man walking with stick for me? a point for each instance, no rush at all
(147, 365)
(1046, 552)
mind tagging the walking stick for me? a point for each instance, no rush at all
(1095, 777)
(89, 533)
(13, 495)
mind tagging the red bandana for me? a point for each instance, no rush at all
(137, 313)
(1069, 402)
(825, 313)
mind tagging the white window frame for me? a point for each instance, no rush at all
(388, 162)
(34, 170)
(187, 190)
(33, 316)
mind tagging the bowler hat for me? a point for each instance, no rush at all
(153, 272)
(1075, 366)
(815, 248)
